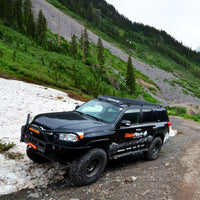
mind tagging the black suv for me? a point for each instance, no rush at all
(101, 129)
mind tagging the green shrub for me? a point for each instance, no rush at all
(6, 146)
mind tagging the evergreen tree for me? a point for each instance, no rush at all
(86, 44)
(100, 55)
(31, 25)
(130, 76)
(82, 45)
(27, 12)
(1, 53)
(73, 45)
(14, 56)
(2, 8)
(19, 13)
(9, 12)
(41, 28)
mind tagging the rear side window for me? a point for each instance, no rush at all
(160, 116)
(133, 115)
(163, 116)
(147, 115)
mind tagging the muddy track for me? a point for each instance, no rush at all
(174, 175)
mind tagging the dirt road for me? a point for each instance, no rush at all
(173, 176)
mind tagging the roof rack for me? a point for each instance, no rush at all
(107, 98)
(121, 100)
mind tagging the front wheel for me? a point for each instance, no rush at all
(154, 149)
(87, 168)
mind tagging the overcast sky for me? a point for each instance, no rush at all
(179, 18)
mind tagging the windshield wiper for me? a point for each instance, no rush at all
(91, 116)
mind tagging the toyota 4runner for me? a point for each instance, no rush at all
(100, 130)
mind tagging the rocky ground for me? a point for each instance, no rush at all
(69, 26)
(173, 176)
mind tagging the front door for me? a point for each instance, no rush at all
(133, 137)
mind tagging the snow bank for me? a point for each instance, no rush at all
(17, 99)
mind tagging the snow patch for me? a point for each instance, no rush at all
(17, 99)
(172, 132)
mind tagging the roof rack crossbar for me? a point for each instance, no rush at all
(109, 99)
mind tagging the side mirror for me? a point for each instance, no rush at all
(77, 107)
(125, 123)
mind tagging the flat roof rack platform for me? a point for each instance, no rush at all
(121, 100)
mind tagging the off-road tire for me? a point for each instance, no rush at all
(34, 156)
(87, 168)
(154, 149)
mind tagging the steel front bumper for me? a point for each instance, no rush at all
(48, 149)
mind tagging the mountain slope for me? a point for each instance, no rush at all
(170, 89)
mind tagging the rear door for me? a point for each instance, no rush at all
(130, 138)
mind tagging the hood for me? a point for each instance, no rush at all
(68, 121)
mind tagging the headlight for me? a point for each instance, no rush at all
(70, 137)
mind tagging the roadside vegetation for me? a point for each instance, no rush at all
(182, 112)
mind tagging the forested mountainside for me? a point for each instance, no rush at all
(31, 52)
(97, 15)
(142, 38)
(74, 63)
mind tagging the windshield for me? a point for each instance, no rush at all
(100, 110)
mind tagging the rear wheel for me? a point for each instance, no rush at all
(154, 149)
(87, 168)
(34, 156)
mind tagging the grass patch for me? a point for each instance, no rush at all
(6, 146)
(176, 110)
(182, 112)
(14, 155)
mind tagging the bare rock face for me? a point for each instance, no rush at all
(167, 94)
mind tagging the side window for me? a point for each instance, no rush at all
(147, 115)
(160, 116)
(156, 116)
(163, 116)
(132, 115)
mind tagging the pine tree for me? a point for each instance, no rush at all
(73, 45)
(41, 28)
(19, 14)
(14, 56)
(82, 45)
(31, 25)
(9, 12)
(1, 53)
(2, 8)
(130, 76)
(27, 12)
(100, 55)
(86, 43)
